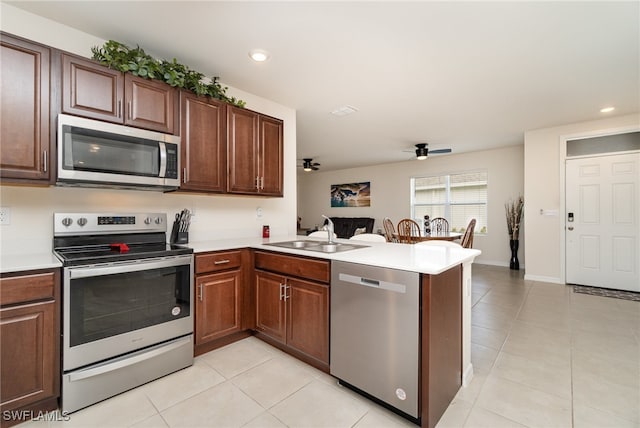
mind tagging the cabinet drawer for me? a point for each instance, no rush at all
(314, 269)
(27, 288)
(213, 262)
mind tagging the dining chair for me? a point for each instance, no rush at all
(389, 230)
(439, 224)
(408, 231)
(467, 239)
(369, 237)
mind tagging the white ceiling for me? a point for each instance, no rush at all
(464, 75)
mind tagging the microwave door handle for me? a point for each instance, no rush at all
(163, 159)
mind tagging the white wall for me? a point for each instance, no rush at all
(391, 193)
(216, 216)
(544, 178)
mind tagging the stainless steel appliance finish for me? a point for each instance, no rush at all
(127, 304)
(375, 334)
(100, 154)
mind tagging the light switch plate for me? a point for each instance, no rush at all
(5, 215)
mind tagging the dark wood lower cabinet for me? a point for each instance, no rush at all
(291, 312)
(221, 299)
(218, 305)
(29, 335)
(308, 318)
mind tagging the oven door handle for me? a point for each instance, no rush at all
(123, 267)
(128, 360)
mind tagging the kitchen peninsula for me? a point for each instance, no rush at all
(284, 275)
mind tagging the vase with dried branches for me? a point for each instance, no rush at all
(513, 210)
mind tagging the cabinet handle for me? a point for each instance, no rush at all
(257, 183)
(119, 108)
(281, 289)
(44, 161)
(221, 262)
(286, 296)
(184, 175)
(200, 293)
(262, 183)
(129, 110)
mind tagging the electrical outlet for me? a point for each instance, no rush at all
(258, 212)
(5, 215)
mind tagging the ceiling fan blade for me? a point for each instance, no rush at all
(440, 151)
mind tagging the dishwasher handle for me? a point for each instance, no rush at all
(373, 283)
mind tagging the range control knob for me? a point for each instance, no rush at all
(82, 221)
(147, 220)
(67, 221)
(159, 220)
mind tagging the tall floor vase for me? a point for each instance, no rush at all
(514, 263)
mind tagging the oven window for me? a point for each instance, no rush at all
(105, 306)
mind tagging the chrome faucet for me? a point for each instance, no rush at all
(329, 228)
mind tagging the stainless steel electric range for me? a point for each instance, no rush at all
(127, 304)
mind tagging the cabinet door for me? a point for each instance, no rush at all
(24, 109)
(204, 148)
(271, 156)
(91, 90)
(270, 305)
(28, 360)
(218, 305)
(150, 104)
(308, 318)
(242, 141)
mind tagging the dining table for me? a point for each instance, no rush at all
(443, 236)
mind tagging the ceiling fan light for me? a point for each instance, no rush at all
(421, 152)
(306, 165)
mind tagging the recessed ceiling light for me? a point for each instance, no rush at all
(344, 110)
(259, 55)
(607, 109)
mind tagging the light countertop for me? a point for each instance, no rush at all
(24, 262)
(415, 258)
(429, 259)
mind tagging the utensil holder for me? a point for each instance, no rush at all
(178, 237)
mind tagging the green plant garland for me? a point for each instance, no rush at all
(119, 56)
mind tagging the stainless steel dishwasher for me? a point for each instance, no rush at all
(375, 314)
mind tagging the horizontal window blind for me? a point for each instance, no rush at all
(456, 197)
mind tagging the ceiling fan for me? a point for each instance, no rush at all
(309, 165)
(422, 151)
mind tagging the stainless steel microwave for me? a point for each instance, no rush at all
(100, 154)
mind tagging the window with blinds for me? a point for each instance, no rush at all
(456, 197)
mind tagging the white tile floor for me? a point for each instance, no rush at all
(542, 355)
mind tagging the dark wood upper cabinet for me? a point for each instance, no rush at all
(242, 131)
(255, 153)
(24, 110)
(271, 156)
(92, 90)
(204, 149)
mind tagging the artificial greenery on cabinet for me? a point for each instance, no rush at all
(119, 56)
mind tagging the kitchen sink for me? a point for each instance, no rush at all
(319, 246)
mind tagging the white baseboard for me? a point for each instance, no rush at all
(539, 278)
(467, 376)
(495, 263)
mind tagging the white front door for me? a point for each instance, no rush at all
(602, 221)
